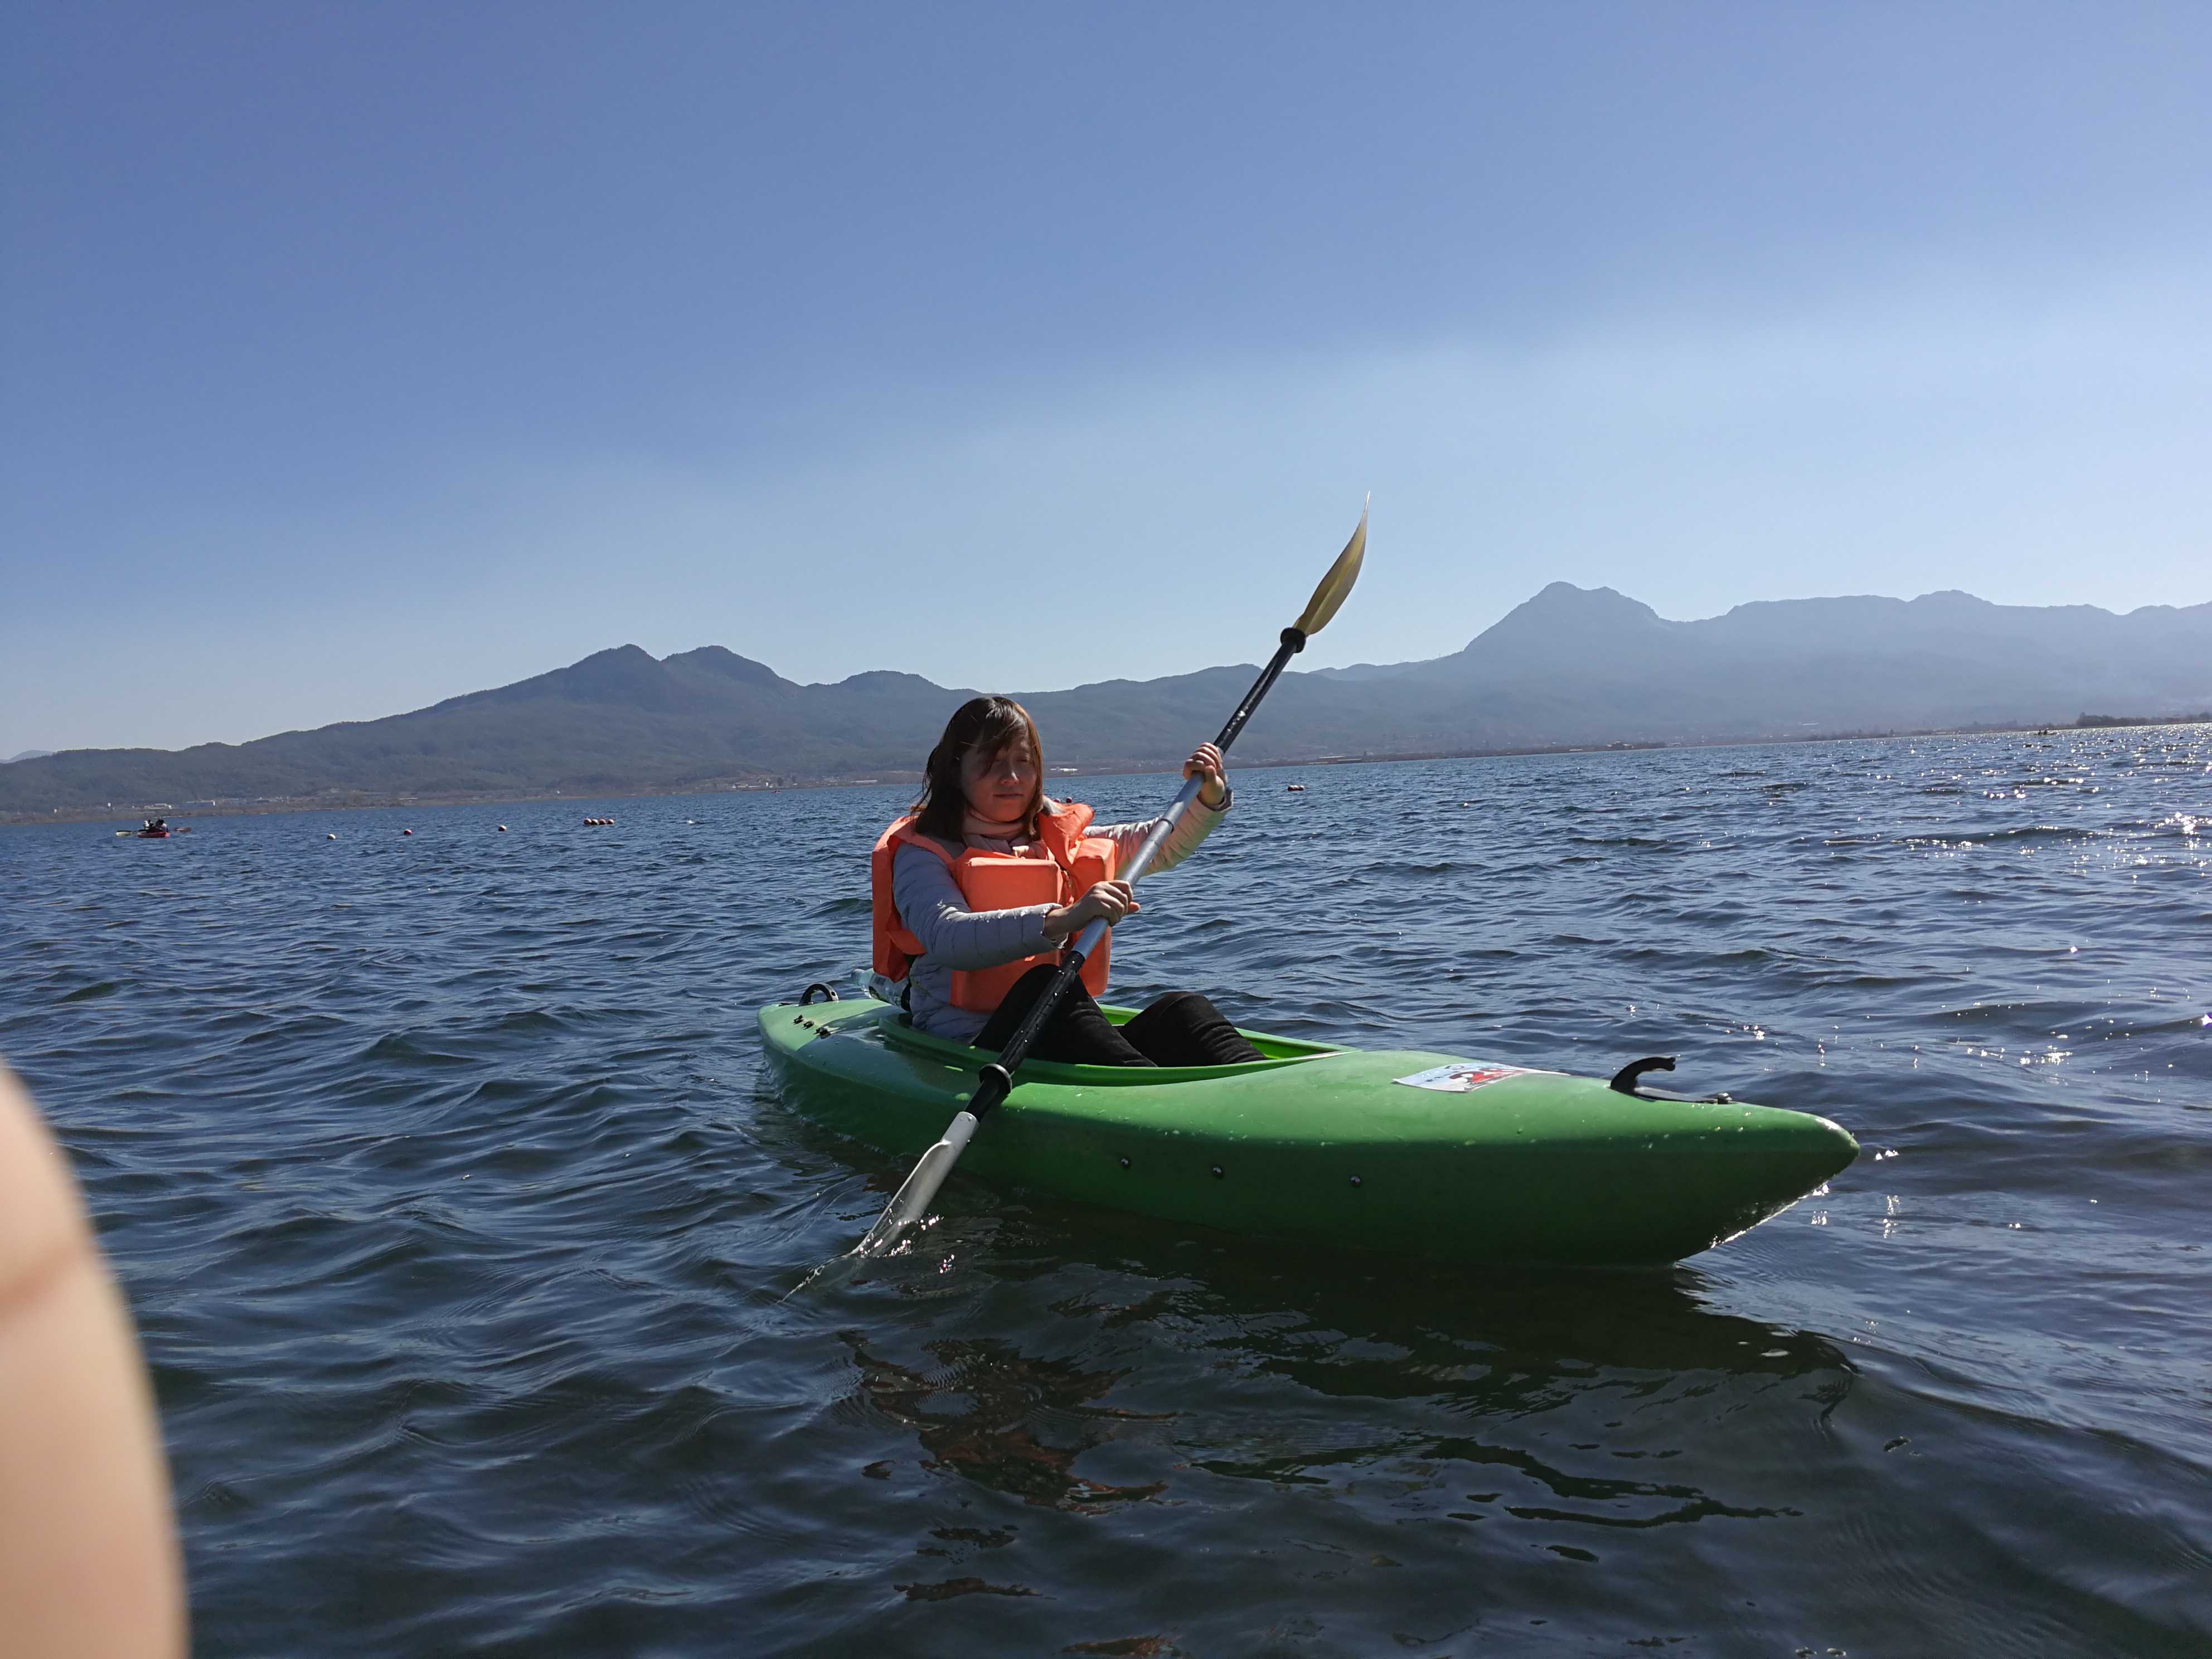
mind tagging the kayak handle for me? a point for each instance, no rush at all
(1625, 1079)
(807, 995)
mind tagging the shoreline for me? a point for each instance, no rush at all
(371, 801)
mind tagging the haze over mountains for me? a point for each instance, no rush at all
(1569, 667)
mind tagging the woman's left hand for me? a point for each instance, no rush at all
(1206, 759)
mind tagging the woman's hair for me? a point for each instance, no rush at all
(993, 725)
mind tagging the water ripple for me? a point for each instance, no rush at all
(459, 1221)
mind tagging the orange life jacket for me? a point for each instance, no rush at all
(1062, 865)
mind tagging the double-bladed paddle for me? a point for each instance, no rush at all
(996, 1080)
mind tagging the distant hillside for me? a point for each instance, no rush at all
(1799, 667)
(1570, 666)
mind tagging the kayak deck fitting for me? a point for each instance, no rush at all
(1400, 1152)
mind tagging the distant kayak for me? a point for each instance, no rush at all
(1400, 1152)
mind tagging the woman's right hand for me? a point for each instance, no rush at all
(1107, 902)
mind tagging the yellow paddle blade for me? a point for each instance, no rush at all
(1336, 586)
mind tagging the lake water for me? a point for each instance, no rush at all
(457, 1220)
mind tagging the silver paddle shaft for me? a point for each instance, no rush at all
(1141, 860)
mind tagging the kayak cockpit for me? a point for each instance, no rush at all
(1279, 1052)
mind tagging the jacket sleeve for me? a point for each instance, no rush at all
(952, 936)
(1197, 825)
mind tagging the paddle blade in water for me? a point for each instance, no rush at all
(913, 1199)
(1336, 586)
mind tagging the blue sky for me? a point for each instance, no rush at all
(359, 355)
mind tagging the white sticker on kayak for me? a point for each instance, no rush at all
(1460, 1075)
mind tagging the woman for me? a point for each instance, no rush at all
(978, 889)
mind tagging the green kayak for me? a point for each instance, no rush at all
(1400, 1152)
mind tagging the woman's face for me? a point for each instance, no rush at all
(999, 786)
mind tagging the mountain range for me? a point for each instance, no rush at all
(1571, 667)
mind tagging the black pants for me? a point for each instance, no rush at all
(1180, 1029)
